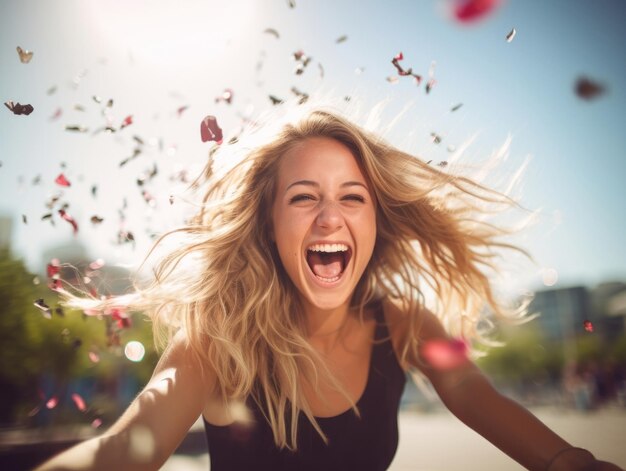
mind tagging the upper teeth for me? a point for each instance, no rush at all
(329, 248)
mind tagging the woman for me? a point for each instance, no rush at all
(303, 307)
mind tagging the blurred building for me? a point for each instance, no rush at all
(608, 302)
(562, 311)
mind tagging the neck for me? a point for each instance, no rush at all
(325, 326)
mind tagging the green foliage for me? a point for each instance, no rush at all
(57, 348)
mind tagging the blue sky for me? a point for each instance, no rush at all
(153, 57)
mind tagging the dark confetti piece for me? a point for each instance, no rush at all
(511, 35)
(456, 107)
(341, 39)
(18, 109)
(45, 309)
(275, 100)
(24, 219)
(588, 89)
(76, 128)
(273, 32)
(96, 219)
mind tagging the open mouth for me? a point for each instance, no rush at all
(328, 261)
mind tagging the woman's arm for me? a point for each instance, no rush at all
(155, 422)
(468, 394)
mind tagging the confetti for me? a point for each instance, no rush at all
(52, 90)
(436, 137)
(96, 264)
(275, 100)
(588, 89)
(303, 97)
(210, 131)
(273, 32)
(321, 69)
(401, 71)
(96, 219)
(181, 109)
(76, 128)
(25, 56)
(341, 39)
(226, 96)
(588, 325)
(442, 164)
(94, 357)
(429, 85)
(393, 79)
(62, 181)
(52, 402)
(69, 219)
(456, 107)
(53, 267)
(79, 401)
(24, 219)
(56, 115)
(127, 121)
(96, 423)
(45, 309)
(291, 3)
(511, 35)
(471, 10)
(18, 109)
(445, 354)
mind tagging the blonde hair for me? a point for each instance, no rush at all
(240, 310)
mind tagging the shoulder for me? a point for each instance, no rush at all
(407, 327)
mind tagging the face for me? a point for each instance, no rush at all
(324, 221)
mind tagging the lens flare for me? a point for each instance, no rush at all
(134, 351)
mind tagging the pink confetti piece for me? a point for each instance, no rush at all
(52, 402)
(96, 423)
(97, 264)
(210, 131)
(181, 110)
(471, 10)
(79, 401)
(62, 180)
(588, 326)
(128, 120)
(118, 314)
(57, 114)
(25, 56)
(69, 219)
(94, 357)
(445, 354)
(19, 109)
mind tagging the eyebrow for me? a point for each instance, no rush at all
(316, 185)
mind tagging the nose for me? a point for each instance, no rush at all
(330, 216)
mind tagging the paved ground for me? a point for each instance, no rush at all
(439, 442)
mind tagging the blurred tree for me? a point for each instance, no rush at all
(60, 354)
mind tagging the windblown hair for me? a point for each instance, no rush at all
(241, 312)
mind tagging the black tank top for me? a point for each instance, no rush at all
(367, 443)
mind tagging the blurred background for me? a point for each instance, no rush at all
(95, 168)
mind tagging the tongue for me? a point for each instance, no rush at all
(325, 264)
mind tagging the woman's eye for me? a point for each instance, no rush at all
(358, 198)
(303, 197)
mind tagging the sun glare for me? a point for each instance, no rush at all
(172, 33)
